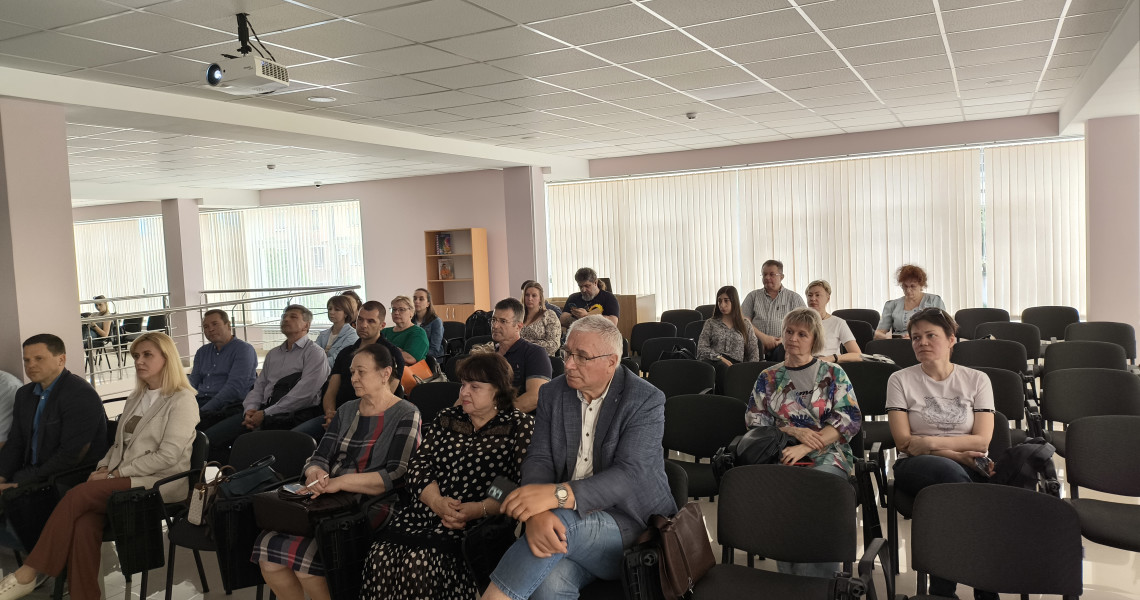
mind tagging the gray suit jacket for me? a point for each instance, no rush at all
(629, 479)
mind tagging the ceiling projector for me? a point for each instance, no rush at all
(247, 75)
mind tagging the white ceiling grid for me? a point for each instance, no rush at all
(586, 78)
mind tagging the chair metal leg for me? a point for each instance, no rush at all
(201, 572)
(893, 533)
(127, 587)
(170, 572)
(142, 584)
(57, 593)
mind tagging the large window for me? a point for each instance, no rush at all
(851, 222)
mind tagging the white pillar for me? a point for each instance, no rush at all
(1112, 176)
(183, 269)
(525, 199)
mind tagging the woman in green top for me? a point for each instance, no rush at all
(411, 338)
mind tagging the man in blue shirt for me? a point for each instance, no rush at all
(225, 368)
(58, 421)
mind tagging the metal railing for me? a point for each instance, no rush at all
(116, 344)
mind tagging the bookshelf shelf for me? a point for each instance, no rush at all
(468, 289)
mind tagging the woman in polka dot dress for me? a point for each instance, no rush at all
(463, 451)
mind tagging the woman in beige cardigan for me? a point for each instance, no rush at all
(153, 440)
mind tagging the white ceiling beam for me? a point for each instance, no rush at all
(1120, 43)
(92, 194)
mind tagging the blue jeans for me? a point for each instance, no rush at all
(825, 570)
(594, 552)
(314, 427)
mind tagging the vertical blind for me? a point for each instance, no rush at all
(852, 222)
(123, 257)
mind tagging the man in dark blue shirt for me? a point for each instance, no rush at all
(225, 368)
(530, 363)
(590, 300)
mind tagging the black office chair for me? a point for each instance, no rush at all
(453, 333)
(866, 315)
(1051, 320)
(1104, 455)
(1121, 334)
(693, 330)
(433, 397)
(557, 366)
(707, 310)
(1077, 393)
(869, 381)
(681, 317)
(653, 348)
(1032, 541)
(678, 376)
(699, 425)
(645, 331)
(158, 323)
(740, 379)
(897, 349)
(1082, 354)
(470, 342)
(968, 320)
(863, 333)
(1009, 399)
(1001, 354)
(1029, 336)
(789, 514)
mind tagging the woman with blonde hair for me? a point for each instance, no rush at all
(409, 337)
(540, 325)
(154, 439)
(342, 314)
(839, 343)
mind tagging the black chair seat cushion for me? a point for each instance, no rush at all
(195, 537)
(904, 503)
(601, 589)
(1057, 438)
(1109, 523)
(738, 581)
(1017, 436)
(877, 431)
(701, 480)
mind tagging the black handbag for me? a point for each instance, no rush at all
(286, 512)
(255, 478)
(677, 352)
(484, 545)
(27, 508)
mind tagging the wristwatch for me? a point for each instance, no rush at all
(561, 494)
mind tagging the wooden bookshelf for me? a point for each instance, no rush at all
(469, 289)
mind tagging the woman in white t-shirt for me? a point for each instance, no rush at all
(941, 417)
(838, 342)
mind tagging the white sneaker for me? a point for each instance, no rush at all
(10, 589)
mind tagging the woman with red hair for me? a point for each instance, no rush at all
(896, 313)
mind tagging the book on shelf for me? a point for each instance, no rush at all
(446, 270)
(443, 243)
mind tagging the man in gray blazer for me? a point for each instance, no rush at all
(593, 474)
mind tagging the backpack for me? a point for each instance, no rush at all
(1028, 465)
(677, 352)
(759, 446)
(479, 323)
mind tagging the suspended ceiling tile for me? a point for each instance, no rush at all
(1001, 54)
(796, 65)
(279, 16)
(464, 76)
(877, 53)
(792, 84)
(592, 77)
(335, 39)
(117, 79)
(1000, 36)
(408, 59)
(706, 79)
(487, 109)
(1090, 23)
(910, 80)
(37, 66)
(148, 32)
(684, 13)
(162, 67)
(1005, 13)
(622, 91)
(446, 99)
(645, 47)
(675, 65)
(843, 13)
(771, 25)
(512, 89)
(1079, 7)
(331, 72)
(213, 54)
(11, 30)
(904, 67)
(549, 63)
(1079, 43)
(390, 87)
(795, 45)
(602, 25)
(548, 101)
(49, 14)
(501, 43)
(433, 20)
(540, 10)
(67, 50)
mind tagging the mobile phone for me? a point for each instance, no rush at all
(982, 465)
(803, 464)
(500, 488)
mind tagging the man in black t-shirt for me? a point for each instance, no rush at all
(529, 362)
(590, 300)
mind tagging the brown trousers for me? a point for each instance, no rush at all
(73, 535)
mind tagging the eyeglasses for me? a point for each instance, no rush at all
(579, 357)
(495, 321)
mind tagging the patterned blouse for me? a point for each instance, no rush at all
(775, 401)
(382, 444)
(545, 332)
(718, 338)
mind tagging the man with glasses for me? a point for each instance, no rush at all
(529, 362)
(590, 300)
(593, 473)
(766, 308)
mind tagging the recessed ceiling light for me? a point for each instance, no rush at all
(321, 99)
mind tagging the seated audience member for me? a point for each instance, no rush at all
(101, 329)
(766, 308)
(338, 389)
(224, 369)
(590, 300)
(366, 451)
(540, 326)
(342, 314)
(268, 405)
(463, 452)
(412, 340)
(584, 502)
(356, 302)
(897, 312)
(941, 417)
(9, 383)
(430, 322)
(549, 305)
(839, 343)
(811, 401)
(154, 439)
(58, 421)
(726, 338)
(530, 363)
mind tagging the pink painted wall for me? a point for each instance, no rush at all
(1112, 154)
(398, 211)
(831, 146)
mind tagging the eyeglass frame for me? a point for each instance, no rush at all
(565, 354)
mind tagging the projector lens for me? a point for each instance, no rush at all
(214, 75)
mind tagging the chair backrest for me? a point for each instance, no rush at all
(866, 315)
(291, 449)
(433, 397)
(863, 333)
(156, 323)
(557, 366)
(1001, 439)
(1075, 393)
(1079, 354)
(201, 450)
(969, 318)
(452, 365)
(787, 513)
(1002, 354)
(707, 310)
(1051, 320)
(454, 330)
(700, 424)
(681, 317)
(740, 379)
(678, 483)
(132, 325)
(652, 349)
(693, 330)
(1020, 555)
(1009, 392)
(682, 376)
(474, 341)
(869, 381)
(1122, 334)
(896, 349)
(1026, 334)
(1103, 453)
(649, 330)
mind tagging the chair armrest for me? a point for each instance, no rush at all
(707, 390)
(190, 475)
(877, 549)
(1034, 420)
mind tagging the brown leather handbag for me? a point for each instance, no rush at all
(686, 553)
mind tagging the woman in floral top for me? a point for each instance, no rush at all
(811, 401)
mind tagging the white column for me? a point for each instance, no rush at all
(39, 286)
(525, 199)
(183, 269)
(1112, 176)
